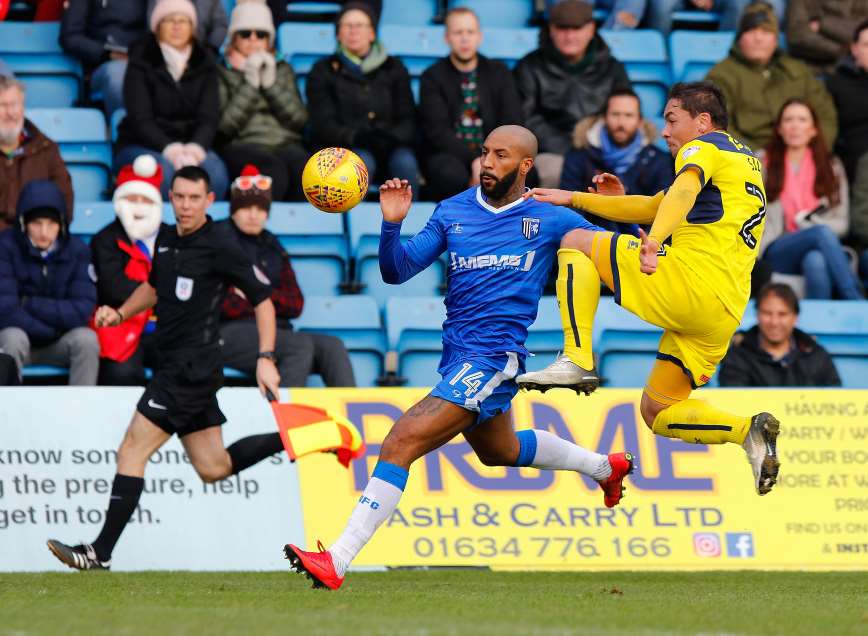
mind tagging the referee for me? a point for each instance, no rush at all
(192, 266)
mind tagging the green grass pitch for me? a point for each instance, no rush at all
(436, 602)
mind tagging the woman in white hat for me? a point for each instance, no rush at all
(261, 112)
(170, 93)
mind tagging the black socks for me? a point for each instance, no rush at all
(126, 492)
(253, 449)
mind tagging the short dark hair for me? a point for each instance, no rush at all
(862, 26)
(192, 173)
(782, 291)
(622, 92)
(702, 97)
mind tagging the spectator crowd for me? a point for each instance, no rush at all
(200, 88)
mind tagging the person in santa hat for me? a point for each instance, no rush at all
(121, 255)
(297, 354)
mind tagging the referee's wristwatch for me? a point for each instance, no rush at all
(268, 355)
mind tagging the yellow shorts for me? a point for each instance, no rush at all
(697, 326)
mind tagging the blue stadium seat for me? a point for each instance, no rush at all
(412, 12)
(545, 337)
(32, 51)
(499, 13)
(653, 97)
(364, 230)
(626, 345)
(659, 122)
(84, 146)
(46, 90)
(315, 242)
(695, 52)
(509, 45)
(643, 53)
(302, 44)
(44, 371)
(117, 118)
(302, 7)
(696, 17)
(356, 321)
(90, 218)
(414, 328)
(417, 46)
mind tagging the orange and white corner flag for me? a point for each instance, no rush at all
(310, 429)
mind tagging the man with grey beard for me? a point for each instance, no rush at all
(25, 153)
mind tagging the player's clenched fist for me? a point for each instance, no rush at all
(396, 195)
(107, 317)
(648, 253)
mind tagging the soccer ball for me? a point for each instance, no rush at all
(335, 180)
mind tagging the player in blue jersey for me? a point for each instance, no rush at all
(500, 250)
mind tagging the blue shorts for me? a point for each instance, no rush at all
(482, 384)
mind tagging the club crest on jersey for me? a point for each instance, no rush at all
(691, 150)
(184, 288)
(529, 227)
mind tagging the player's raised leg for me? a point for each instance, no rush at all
(668, 411)
(141, 440)
(583, 261)
(496, 443)
(424, 427)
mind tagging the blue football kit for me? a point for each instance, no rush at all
(498, 261)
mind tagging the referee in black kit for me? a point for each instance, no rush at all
(193, 264)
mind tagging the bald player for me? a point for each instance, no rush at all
(500, 249)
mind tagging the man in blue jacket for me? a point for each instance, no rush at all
(620, 142)
(46, 293)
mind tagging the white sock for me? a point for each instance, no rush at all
(376, 504)
(555, 453)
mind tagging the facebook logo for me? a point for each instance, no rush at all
(739, 545)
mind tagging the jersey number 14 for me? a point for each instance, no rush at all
(471, 381)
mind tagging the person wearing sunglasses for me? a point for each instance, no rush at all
(297, 354)
(261, 112)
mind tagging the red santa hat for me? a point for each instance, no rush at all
(143, 177)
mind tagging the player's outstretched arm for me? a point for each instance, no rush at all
(143, 298)
(267, 376)
(399, 263)
(623, 208)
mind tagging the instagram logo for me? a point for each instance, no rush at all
(706, 544)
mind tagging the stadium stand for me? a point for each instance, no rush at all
(84, 145)
(643, 53)
(31, 49)
(329, 250)
(545, 338)
(356, 321)
(499, 13)
(695, 52)
(364, 235)
(413, 325)
(411, 12)
(315, 242)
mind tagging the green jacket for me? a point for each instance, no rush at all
(270, 117)
(755, 95)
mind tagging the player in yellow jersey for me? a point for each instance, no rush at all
(689, 275)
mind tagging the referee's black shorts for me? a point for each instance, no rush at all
(181, 398)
